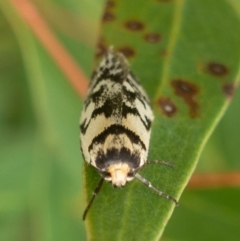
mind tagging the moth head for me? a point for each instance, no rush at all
(118, 174)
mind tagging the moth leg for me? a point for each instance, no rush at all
(149, 184)
(161, 162)
(96, 191)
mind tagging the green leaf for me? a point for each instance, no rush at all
(40, 172)
(213, 212)
(186, 55)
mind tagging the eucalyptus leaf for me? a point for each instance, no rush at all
(186, 55)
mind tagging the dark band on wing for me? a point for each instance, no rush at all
(123, 155)
(109, 108)
(126, 110)
(116, 130)
(84, 126)
(114, 107)
(132, 81)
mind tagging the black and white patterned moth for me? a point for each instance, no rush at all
(115, 125)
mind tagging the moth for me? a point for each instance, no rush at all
(115, 125)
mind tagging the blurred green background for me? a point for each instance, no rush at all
(40, 161)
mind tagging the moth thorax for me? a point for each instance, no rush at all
(119, 174)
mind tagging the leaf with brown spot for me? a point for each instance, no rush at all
(217, 69)
(228, 89)
(134, 25)
(108, 17)
(40, 180)
(127, 51)
(167, 107)
(152, 37)
(165, 42)
(189, 93)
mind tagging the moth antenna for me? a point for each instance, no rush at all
(161, 162)
(149, 184)
(96, 191)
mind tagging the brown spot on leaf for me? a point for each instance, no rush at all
(110, 4)
(101, 49)
(127, 51)
(217, 69)
(134, 25)
(164, 53)
(152, 38)
(188, 92)
(108, 17)
(228, 89)
(167, 106)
